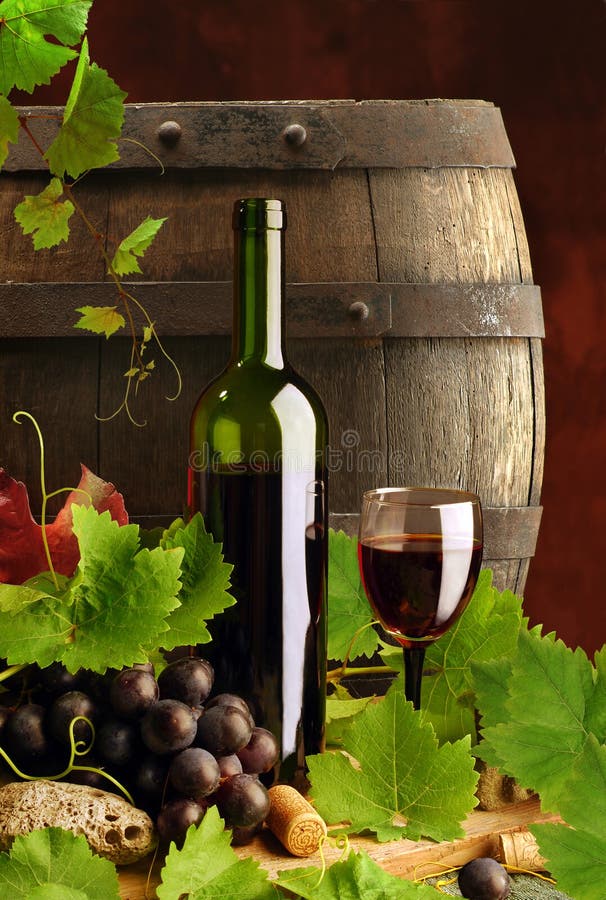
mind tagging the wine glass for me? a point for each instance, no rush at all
(420, 551)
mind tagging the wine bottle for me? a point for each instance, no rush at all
(257, 473)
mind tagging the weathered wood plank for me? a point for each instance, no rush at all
(196, 243)
(150, 464)
(349, 376)
(78, 260)
(56, 381)
(406, 859)
(460, 411)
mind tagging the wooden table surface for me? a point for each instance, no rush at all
(407, 859)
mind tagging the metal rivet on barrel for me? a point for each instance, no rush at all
(295, 135)
(169, 132)
(358, 310)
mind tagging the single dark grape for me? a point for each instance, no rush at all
(231, 700)
(229, 765)
(98, 686)
(55, 679)
(25, 736)
(133, 692)
(117, 742)
(151, 775)
(5, 714)
(241, 836)
(168, 726)
(484, 879)
(67, 707)
(223, 730)
(176, 817)
(261, 753)
(242, 801)
(194, 773)
(189, 679)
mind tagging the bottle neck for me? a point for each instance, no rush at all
(258, 325)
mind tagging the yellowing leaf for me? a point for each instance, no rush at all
(100, 319)
(26, 57)
(46, 215)
(137, 242)
(93, 119)
(9, 127)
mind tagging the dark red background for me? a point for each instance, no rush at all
(543, 63)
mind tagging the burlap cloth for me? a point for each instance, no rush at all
(523, 887)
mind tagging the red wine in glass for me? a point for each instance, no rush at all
(420, 552)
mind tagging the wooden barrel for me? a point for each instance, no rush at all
(411, 306)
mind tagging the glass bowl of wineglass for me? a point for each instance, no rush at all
(420, 551)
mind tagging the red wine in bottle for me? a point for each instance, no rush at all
(419, 583)
(257, 473)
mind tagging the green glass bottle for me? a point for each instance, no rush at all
(257, 473)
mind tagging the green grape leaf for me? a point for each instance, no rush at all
(356, 878)
(205, 582)
(341, 709)
(53, 864)
(595, 711)
(550, 692)
(577, 854)
(206, 867)
(348, 608)
(137, 242)
(403, 784)
(100, 319)
(46, 215)
(107, 614)
(490, 680)
(93, 118)
(26, 57)
(488, 629)
(9, 127)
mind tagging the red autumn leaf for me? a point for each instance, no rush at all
(21, 549)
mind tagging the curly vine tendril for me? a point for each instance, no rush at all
(45, 496)
(77, 748)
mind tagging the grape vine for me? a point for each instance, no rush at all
(87, 138)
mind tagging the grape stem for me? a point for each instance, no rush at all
(77, 748)
(334, 676)
(126, 299)
(45, 496)
(12, 670)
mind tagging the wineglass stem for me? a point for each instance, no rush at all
(413, 673)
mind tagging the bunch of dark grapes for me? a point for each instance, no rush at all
(174, 747)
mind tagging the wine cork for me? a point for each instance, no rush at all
(294, 821)
(519, 848)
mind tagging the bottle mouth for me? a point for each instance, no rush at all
(259, 214)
